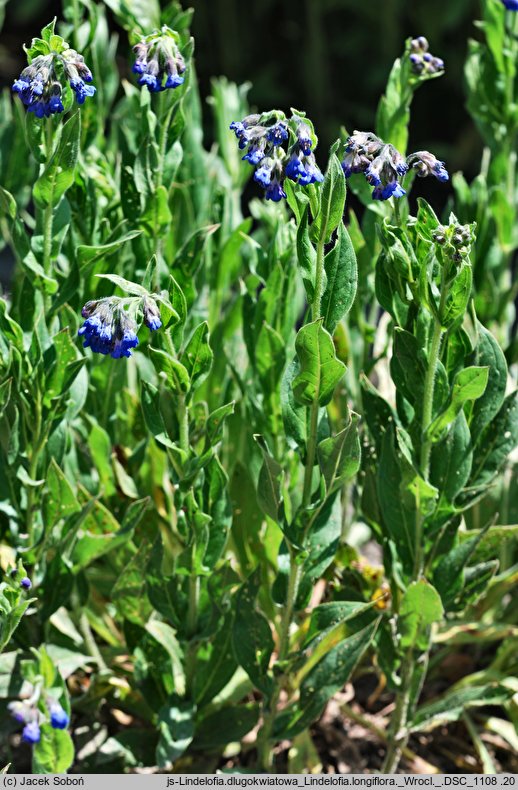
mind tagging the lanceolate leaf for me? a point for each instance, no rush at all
(339, 456)
(58, 175)
(469, 384)
(323, 681)
(320, 369)
(420, 607)
(342, 279)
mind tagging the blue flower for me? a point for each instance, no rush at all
(256, 151)
(21, 711)
(26, 583)
(294, 168)
(174, 81)
(511, 5)
(392, 189)
(263, 174)
(275, 190)
(278, 133)
(150, 81)
(59, 718)
(81, 89)
(124, 341)
(426, 164)
(158, 56)
(304, 138)
(151, 314)
(312, 173)
(31, 732)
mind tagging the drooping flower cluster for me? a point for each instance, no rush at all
(279, 148)
(29, 714)
(42, 83)
(111, 329)
(383, 165)
(426, 164)
(422, 61)
(159, 58)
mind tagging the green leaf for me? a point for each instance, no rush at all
(332, 201)
(125, 285)
(488, 353)
(449, 575)
(215, 664)
(342, 280)
(58, 175)
(54, 753)
(197, 356)
(469, 384)
(458, 298)
(320, 370)
(339, 456)
(166, 636)
(60, 500)
(328, 677)
(420, 607)
(269, 482)
(176, 727)
(270, 356)
(452, 459)
(293, 415)
(173, 371)
(494, 445)
(451, 705)
(216, 422)
(252, 636)
(88, 255)
(227, 725)
(306, 255)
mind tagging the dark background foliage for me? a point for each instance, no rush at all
(328, 57)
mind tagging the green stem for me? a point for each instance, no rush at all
(48, 214)
(429, 382)
(265, 753)
(315, 407)
(397, 737)
(39, 441)
(91, 644)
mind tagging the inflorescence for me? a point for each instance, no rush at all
(511, 5)
(422, 61)
(42, 84)
(29, 713)
(383, 165)
(110, 328)
(455, 239)
(278, 148)
(159, 57)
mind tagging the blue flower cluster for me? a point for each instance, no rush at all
(511, 5)
(40, 85)
(422, 61)
(159, 58)
(28, 714)
(278, 148)
(383, 165)
(426, 164)
(110, 329)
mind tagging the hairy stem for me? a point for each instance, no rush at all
(265, 753)
(397, 737)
